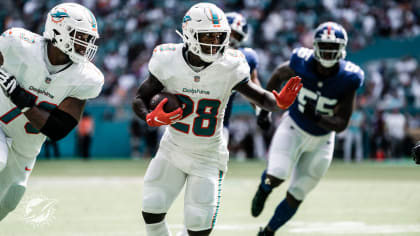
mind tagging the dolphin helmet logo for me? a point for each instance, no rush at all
(58, 15)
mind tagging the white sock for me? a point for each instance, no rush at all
(158, 229)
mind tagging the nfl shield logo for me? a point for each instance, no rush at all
(196, 78)
(47, 80)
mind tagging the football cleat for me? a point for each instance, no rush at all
(258, 201)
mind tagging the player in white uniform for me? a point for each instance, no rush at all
(45, 82)
(202, 72)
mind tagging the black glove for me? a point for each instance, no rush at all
(415, 153)
(12, 89)
(310, 111)
(264, 120)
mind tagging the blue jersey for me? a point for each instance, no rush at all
(252, 59)
(327, 92)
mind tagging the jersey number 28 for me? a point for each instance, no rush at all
(205, 122)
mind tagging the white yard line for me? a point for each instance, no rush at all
(85, 180)
(352, 227)
(333, 228)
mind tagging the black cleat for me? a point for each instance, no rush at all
(258, 201)
(264, 232)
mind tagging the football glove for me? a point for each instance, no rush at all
(415, 153)
(264, 120)
(288, 94)
(159, 117)
(19, 96)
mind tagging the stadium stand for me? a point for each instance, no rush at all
(382, 36)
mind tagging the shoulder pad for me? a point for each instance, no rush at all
(90, 82)
(357, 74)
(251, 51)
(93, 74)
(234, 57)
(165, 52)
(302, 53)
(168, 47)
(18, 35)
(234, 53)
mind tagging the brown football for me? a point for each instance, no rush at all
(172, 104)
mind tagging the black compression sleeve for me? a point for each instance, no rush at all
(58, 125)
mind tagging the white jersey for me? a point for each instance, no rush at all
(24, 56)
(199, 134)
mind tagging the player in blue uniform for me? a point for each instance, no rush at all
(303, 144)
(238, 35)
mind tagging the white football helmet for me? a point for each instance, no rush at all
(205, 18)
(65, 22)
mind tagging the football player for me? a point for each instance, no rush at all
(238, 35)
(202, 71)
(303, 143)
(415, 153)
(45, 82)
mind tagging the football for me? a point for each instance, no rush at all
(172, 104)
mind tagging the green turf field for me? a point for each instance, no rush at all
(103, 198)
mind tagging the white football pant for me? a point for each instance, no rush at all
(163, 182)
(305, 156)
(13, 176)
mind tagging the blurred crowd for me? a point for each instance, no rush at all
(130, 29)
